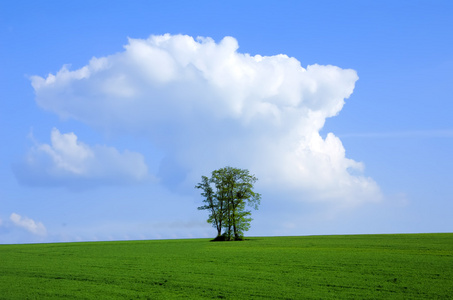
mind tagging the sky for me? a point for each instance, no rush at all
(111, 111)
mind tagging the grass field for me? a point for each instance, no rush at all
(414, 266)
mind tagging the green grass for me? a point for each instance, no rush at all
(414, 266)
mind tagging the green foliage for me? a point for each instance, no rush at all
(415, 266)
(227, 193)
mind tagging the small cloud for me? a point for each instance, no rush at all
(68, 162)
(28, 224)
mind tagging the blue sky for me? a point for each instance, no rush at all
(341, 109)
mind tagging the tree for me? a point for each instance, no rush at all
(213, 203)
(227, 194)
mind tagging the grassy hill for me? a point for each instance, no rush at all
(413, 266)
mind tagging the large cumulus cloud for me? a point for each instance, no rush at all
(206, 105)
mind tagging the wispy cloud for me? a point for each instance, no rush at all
(448, 133)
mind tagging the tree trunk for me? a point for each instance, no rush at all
(234, 224)
(219, 226)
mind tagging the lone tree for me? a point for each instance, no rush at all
(227, 194)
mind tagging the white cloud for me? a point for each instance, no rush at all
(69, 162)
(206, 105)
(28, 224)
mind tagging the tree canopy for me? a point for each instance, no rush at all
(227, 194)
